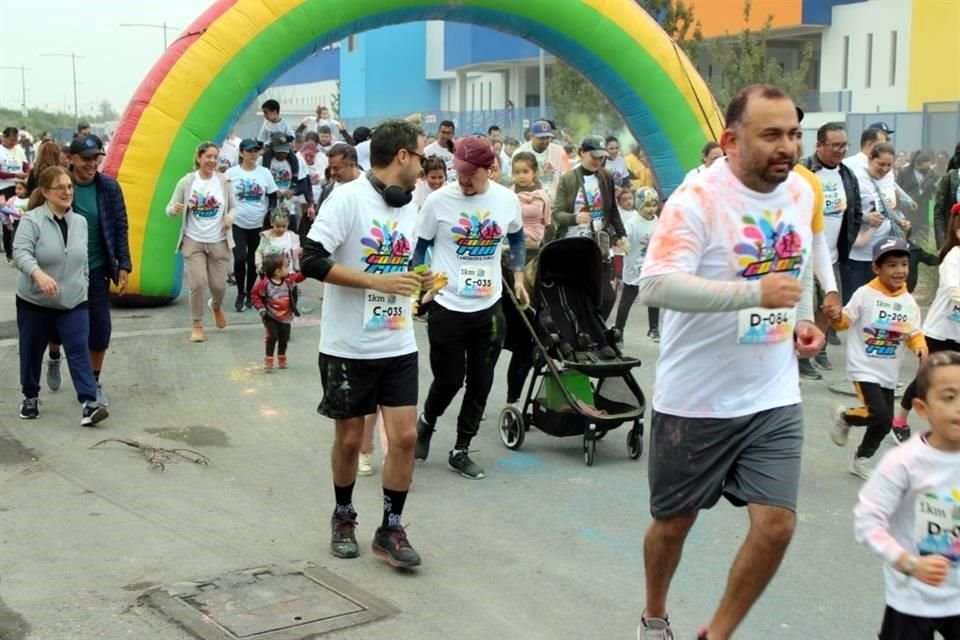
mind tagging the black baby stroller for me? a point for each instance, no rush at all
(582, 384)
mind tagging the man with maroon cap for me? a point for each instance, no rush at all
(465, 222)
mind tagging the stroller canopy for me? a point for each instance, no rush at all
(575, 261)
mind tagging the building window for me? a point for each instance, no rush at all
(846, 62)
(351, 44)
(893, 58)
(869, 64)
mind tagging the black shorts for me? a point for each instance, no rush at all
(900, 626)
(353, 388)
(98, 301)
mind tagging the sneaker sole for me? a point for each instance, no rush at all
(345, 556)
(99, 415)
(365, 473)
(383, 554)
(467, 476)
(23, 417)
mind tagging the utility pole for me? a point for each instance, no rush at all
(23, 87)
(163, 26)
(543, 85)
(73, 62)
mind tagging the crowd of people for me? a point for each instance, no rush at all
(747, 271)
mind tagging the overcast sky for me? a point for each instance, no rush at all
(115, 59)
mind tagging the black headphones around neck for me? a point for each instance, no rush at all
(393, 195)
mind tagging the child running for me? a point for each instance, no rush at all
(273, 297)
(434, 177)
(942, 325)
(909, 513)
(278, 239)
(883, 317)
(534, 202)
(639, 228)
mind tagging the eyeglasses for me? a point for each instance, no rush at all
(62, 188)
(420, 156)
(838, 146)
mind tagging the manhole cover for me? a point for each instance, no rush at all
(268, 603)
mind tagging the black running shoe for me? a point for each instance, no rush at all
(654, 335)
(238, 305)
(92, 414)
(391, 544)
(833, 338)
(343, 539)
(900, 434)
(30, 409)
(823, 361)
(808, 371)
(460, 462)
(424, 433)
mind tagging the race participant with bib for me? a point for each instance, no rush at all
(586, 205)
(907, 514)
(731, 262)
(883, 318)
(361, 248)
(465, 222)
(942, 324)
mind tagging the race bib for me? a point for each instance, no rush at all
(476, 280)
(385, 311)
(937, 526)
(765, 326)
(891, 315)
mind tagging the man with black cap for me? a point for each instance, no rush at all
(99, 199)
(551, 159)
(586, 205)
(465, 222)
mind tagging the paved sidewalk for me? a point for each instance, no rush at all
(544, 548)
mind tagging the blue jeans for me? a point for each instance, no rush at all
(36, 325)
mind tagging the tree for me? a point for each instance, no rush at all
(105, 112)
(581, 107)
(335, 101)
(744, 60)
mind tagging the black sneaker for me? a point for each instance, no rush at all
(343, 540)
(899, 434)
(424, 433)
(247, 301)
(807, 370)
(30, 409)
(460, 461)
(391, 544)
(238, 305)
(833, 338)
(823, 361)
(654, 335)
(92, 414)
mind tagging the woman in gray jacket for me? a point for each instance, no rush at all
(50, 251)
(208, 205)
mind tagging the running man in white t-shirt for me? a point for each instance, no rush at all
(442, 147)
(361, 246)
(465, 222)
(731, 262)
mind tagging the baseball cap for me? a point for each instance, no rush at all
(249, 144)
(472, 153)
(888, 245)
(280, 143)
(87, 146)
(541, 129)
(595, 146)
(883, 126)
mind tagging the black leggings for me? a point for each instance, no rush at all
(245, 258)
(934, 346)
(277, 335)
(900, 626)
(875, 413)
(627, 297)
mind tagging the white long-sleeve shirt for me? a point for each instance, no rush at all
(913, 494)
(943, 319)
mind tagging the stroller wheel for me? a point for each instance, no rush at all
(589, 449)
(635, 441)
(511, 427)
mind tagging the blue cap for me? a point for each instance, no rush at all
(883, 126)
(541, 129)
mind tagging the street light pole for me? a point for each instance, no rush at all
(23, 87)
(162, 27)
(73, 63)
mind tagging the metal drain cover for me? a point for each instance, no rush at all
(274, 602)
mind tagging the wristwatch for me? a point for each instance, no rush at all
(910, 565)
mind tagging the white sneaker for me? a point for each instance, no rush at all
(840, 431)
(861, 467)
(654, 629)
(365, 468)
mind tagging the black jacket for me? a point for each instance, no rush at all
(922, 191)
(853, 216)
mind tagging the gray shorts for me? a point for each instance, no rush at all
(752, 459)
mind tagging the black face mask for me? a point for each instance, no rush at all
(393, 195)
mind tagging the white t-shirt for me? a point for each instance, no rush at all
(10, 162)
(617, 168)
(282, 173)
(870, 200)
(639, 230)
(312, 123)
(943, 318)
(205, 210)
(287, 245)
(912, 493)
(252, 189)
(734, 363)
(315, 172)
(361, 232)
(590, 198)
(468, 233)
(880, 325)
(552, 163)
(434, 149)
(856, 161)
(363, 155)
(421, 192)
(229, 155)
(834, 207)
(694, 172)
(267, 129)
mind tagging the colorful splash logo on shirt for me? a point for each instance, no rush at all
(385, 250)
(772, 247)
(281, 174)
(880, 343)
(834, 199)
(592, 202)
(248, 190)
(477, 235)
(203, 205)
(938, 525)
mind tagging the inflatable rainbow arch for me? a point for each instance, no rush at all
(237, 48)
